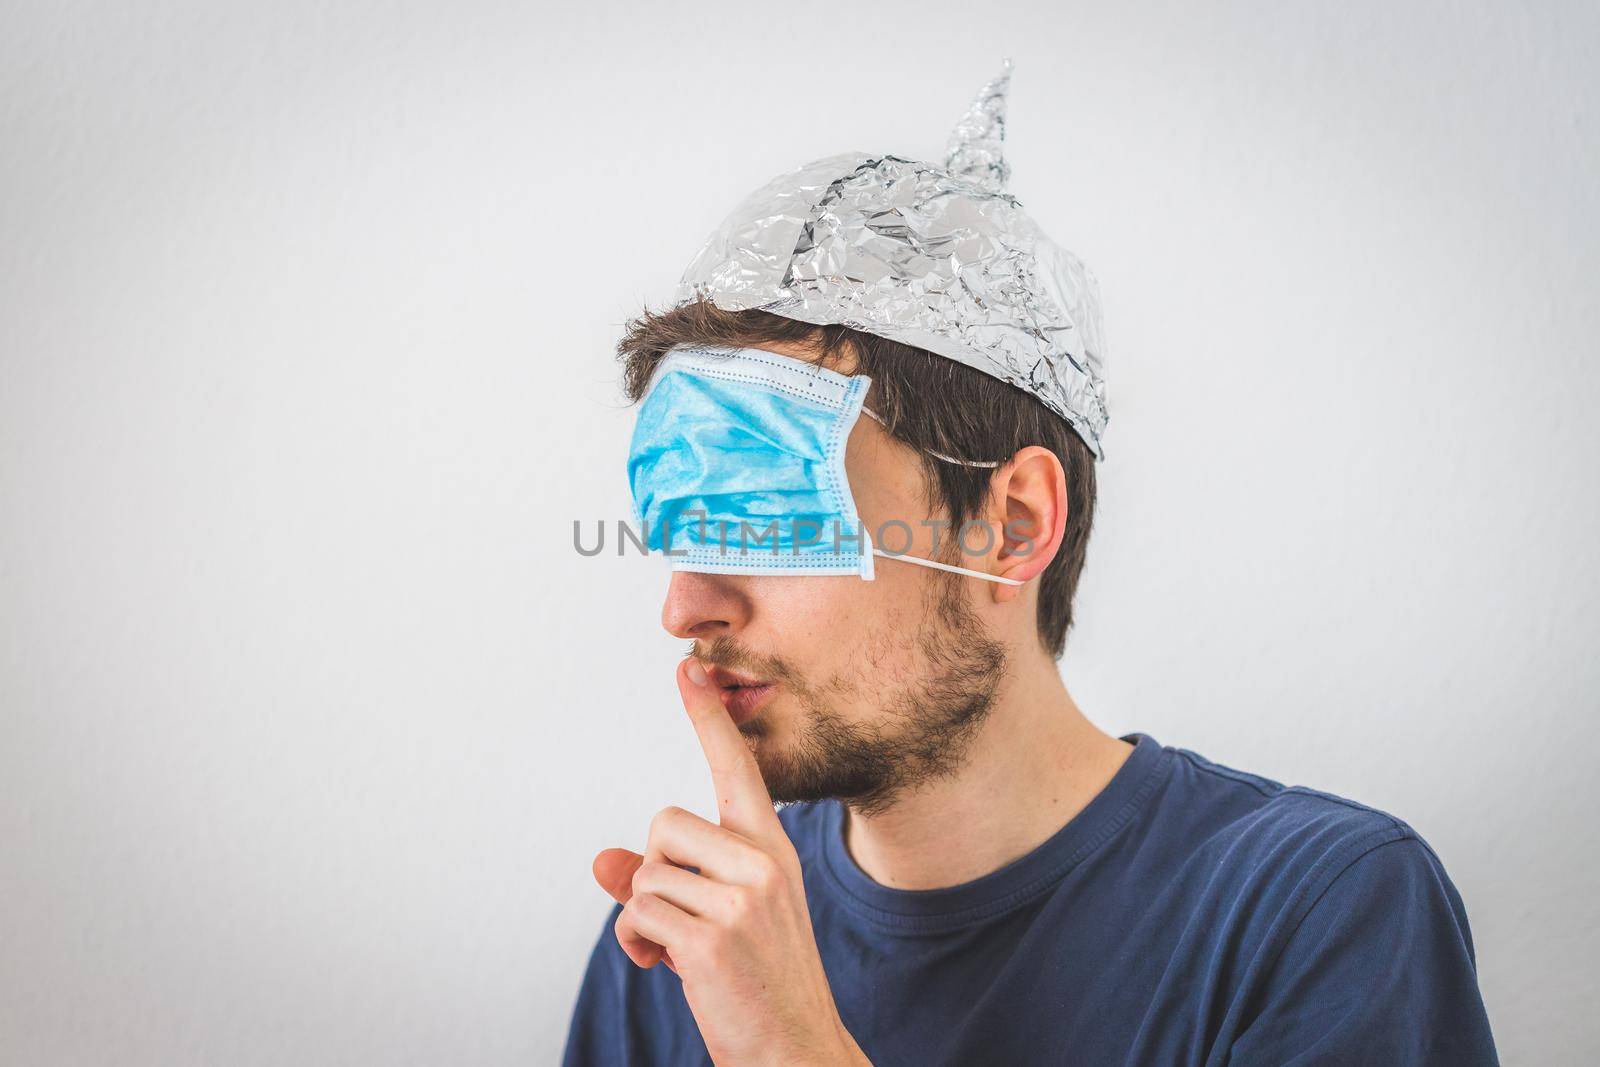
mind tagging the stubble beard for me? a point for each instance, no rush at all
(925, 729)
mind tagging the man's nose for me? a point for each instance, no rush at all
(704, 605)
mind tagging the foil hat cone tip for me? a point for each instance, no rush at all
(939, 257)
(976, 148)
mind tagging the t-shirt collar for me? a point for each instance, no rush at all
(1013, 885)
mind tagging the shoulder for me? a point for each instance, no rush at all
(1307, 889)
(1283, 848)
(1341, 921)
(1304, 855)
(1285, 827)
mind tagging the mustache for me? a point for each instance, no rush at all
(725, 652)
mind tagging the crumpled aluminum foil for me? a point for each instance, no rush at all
(936, 257)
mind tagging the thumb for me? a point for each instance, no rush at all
(613, 869)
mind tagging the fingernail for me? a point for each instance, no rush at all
(697, 673)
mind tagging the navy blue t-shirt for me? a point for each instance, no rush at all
(1190, 914)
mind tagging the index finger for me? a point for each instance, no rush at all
(743, 803)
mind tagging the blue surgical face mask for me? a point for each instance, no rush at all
(737, 467)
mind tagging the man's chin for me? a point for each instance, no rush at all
(777, 766)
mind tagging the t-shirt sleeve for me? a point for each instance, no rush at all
(597, 1032)
(1381, 969)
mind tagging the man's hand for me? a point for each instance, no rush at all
(738, 933)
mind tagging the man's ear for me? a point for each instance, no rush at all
(1030, 494)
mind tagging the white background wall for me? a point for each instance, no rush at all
(310, 716)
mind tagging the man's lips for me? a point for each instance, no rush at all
(742, 694)
(725, 678)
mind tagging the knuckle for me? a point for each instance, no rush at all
(730, 763)
(768, 873)
(665, 817)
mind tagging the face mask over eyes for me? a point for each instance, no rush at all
(737, 467)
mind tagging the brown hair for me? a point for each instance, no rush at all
(929, 403)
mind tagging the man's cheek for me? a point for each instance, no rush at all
(814, 617)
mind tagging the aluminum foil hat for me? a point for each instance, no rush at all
(941, 258)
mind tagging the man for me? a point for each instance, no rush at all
(966, 870)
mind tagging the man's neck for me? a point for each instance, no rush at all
(1034, 765)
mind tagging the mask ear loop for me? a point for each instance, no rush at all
(933, 562)
(937, 455)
